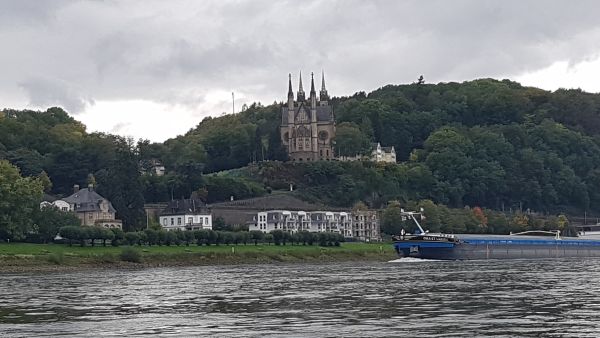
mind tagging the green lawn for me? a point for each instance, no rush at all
(43, 249)
(26, 254)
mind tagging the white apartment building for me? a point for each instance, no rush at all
(362, 225)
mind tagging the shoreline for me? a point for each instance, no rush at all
(48, 258)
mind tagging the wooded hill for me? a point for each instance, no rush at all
(486, 143)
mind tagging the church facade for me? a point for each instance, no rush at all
(308, 125)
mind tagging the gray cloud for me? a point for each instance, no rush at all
(46, 93)
(119, 127)
(74, 52)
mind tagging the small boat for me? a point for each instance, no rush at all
(528, 244)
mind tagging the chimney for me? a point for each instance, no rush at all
(75, 188)
(90, 187)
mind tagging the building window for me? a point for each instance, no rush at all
(178, 220)
(172, 221)
(164, 221)
(190, 220)
(327, 152)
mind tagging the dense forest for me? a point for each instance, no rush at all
(488, 143)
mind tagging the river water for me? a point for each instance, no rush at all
(406, 297)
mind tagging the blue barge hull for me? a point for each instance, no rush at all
(467, 247)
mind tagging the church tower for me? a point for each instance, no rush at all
(308, 126)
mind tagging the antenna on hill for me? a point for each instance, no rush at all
(233, 102)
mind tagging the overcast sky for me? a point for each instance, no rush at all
(153, 69)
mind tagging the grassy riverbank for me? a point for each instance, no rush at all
(47, 257)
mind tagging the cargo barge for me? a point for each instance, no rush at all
(529, 244)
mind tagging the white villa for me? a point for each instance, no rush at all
(186, 214)
(90, 207)
(378, 154)
(60, 204)
(383, 154)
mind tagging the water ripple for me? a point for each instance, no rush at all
(400, 298)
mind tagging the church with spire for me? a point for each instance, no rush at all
(308, 125)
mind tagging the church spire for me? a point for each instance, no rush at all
(290, 91)
(300, 89)
(323, 96)
(313, 94)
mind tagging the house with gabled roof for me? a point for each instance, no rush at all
(91, 208)
(186, 214)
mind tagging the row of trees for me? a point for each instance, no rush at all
(116, 237)
(440, 218)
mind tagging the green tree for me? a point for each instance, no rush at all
(70, 232)
(121, 185)
(48, 220)
(392, 220)
(212, 237)
(19, 198)
(269, 238)
(106, 235)
(170, 238)
(350, 140)
(151, 236)
(119, 236)
(277, 236)
(94, 233)
(257, 236)
(45, 181)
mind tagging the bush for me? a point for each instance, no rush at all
(170, 238)
(142, 238)
(106, 257)
(151, 236)
(107, 234)
(131, 255)
(131, 238)
(70, 233)
(277, 236)
(118, 237)
(56, 258)
(189, 237)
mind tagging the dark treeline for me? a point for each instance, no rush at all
(82, 236)
(488, 143)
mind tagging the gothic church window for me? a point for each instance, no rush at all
(323, 135)
(302, 117)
